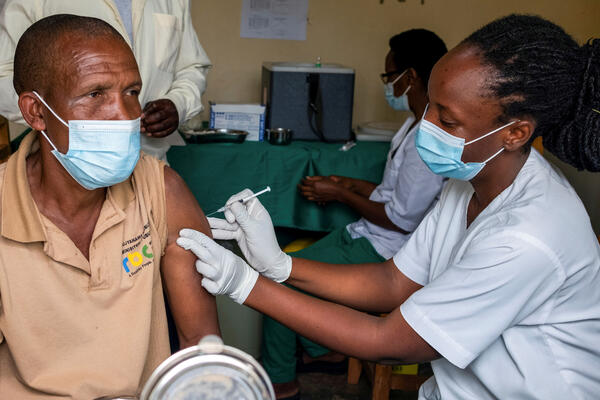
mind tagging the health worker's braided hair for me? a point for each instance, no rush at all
(541, 72)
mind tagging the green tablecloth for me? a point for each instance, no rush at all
(215, 171)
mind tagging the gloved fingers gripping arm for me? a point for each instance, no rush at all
(223, 272)
(256, 237)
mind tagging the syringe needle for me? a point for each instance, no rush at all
(243, 201)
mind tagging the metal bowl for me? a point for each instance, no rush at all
(209, 371)
(279, 136)
(214, 135)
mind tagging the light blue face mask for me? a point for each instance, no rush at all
(101, 153)
(442, 152)
(397, 103)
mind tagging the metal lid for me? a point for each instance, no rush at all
(209, 371)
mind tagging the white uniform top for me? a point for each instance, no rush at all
(512, 302)
(408, 189)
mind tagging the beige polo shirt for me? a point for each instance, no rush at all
(70, 327)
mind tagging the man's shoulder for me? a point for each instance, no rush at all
(147, 160)
(148, 167)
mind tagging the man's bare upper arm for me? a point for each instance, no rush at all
(193, 308)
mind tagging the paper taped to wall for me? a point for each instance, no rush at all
(274, 19)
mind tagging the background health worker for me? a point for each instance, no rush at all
(390, 211)
(498, 286)
(172, 63)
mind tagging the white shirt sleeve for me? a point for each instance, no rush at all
(413, 259)
(415, 188)
(191, 68)
(500, 279)
(15, 18)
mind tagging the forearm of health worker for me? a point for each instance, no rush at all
(381, 286)
(341, 328)
(316, 185)
(370, 210)
(373, 287)
(194, 309)
(15, 18)
(335, 326)
(351, 192)
(191, 69)
(358, 186)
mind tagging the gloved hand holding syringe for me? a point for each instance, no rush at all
(243, 201)
(249, 224)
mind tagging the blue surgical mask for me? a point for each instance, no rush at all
(101, 153)
(397, 103)
(442, 152)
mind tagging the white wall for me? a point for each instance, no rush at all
(355, 33)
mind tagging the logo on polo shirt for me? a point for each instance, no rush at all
(137, 254)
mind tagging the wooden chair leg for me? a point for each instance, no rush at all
(354, 370)
(381, 382)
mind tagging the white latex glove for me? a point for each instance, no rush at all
(250, 225)
(223, 271)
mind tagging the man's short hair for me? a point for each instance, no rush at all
(37, 56)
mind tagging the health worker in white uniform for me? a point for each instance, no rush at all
(390, 211)
(498, 286)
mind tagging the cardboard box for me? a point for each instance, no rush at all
(245, 117)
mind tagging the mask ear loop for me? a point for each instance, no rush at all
(51, 110)
(406, 91)
(489, 133)
(399, 76)
(57, 117)
(495, 154)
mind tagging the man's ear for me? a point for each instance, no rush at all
(518, 135)
(32, 110)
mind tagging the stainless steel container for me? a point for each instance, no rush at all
(209, 371)
(213, 135)
(279, 135)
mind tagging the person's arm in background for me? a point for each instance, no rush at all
(193, 308)
(358, 186)
(326, 189)
(15, 18)
(183, 100)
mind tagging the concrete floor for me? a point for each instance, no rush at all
(318, 386)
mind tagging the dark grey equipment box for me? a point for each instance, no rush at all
(315, 102)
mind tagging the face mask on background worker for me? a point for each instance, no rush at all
(101, 152)
(442, 152)
(399, 103)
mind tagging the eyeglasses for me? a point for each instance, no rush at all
(385, 77)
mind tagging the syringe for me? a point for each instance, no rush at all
(243, 201)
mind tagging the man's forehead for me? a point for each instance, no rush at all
(72, 50)
(81, 58)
